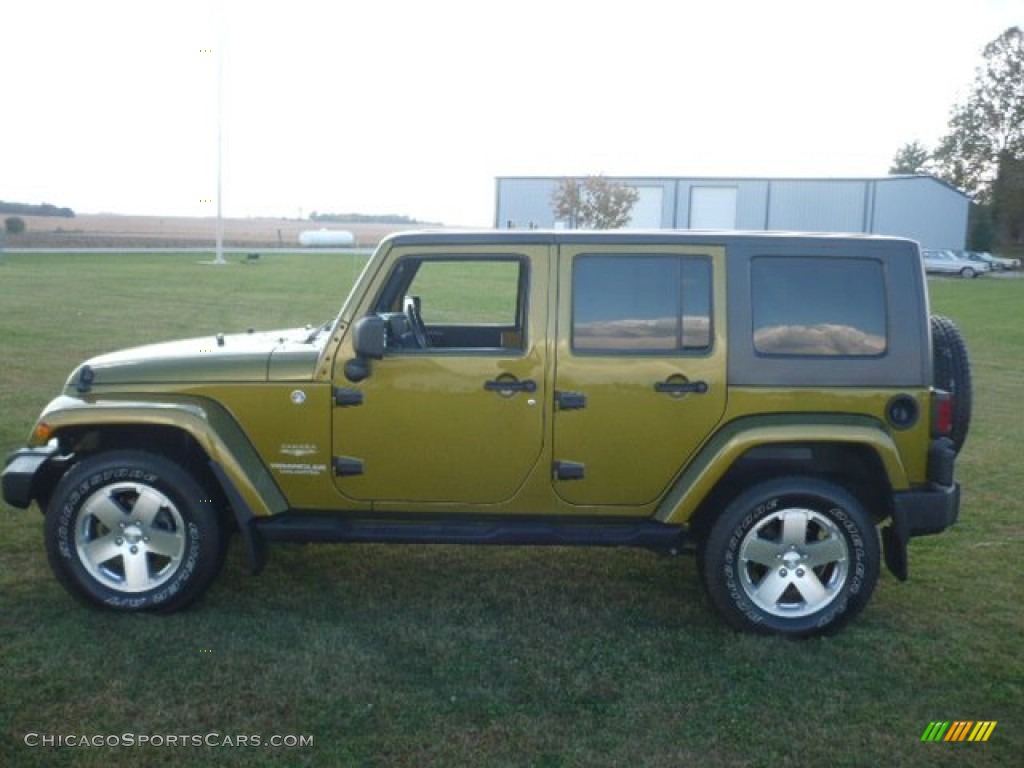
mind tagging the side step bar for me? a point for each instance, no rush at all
(645, 534)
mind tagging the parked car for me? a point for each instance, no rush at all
(998, 262)
(980, 258)
(949, 263)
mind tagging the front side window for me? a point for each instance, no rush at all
(455, 303)
(818, 307)
(641, 304)
(468, 292)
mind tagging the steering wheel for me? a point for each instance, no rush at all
(411, 308)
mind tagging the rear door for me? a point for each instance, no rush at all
(640, 372)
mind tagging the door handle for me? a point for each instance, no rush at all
(674, 387)
(511, 385)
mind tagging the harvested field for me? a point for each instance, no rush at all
(116, 231)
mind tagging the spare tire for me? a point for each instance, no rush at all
(952, 372)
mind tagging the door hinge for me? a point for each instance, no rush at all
(568, 470)
(346, 398)
(570, 401)
(346, 466)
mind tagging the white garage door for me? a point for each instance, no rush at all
(647, 210)
(713, 208)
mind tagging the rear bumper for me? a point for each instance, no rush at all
(928, 511)
(19, 475)
(918, 513)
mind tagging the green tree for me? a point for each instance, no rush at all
(594, 203)
(1008, 198)
(14, 225)
(986, 131)
(961, 157)
(911, 158)
(981, 233)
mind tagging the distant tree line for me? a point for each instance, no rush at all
(44, 209)
(363, 218)
(982, 152)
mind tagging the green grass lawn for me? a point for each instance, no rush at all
(447, 656)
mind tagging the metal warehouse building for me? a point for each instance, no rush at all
(922, 208)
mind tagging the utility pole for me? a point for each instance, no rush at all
(219, 256)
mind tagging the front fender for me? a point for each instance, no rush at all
(208, 423)
(737, 438)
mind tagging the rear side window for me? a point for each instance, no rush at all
(818, 307)
(641, 304)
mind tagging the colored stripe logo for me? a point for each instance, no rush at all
(959, 730)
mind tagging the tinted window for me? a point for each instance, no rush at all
(815, 306)
(641, 303)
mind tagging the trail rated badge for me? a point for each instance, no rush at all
(959, 730)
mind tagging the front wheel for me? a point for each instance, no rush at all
(794, 556)
(134, 532)
(967, 273)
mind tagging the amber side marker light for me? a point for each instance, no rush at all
(43, 431)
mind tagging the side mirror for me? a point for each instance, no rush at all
(368, 341)
(368, 337)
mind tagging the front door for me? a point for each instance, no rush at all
(640, 375)
(453, 413)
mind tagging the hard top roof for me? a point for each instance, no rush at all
(629, 236)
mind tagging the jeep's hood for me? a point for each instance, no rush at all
(287, 355)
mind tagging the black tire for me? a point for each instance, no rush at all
(951, 366)
(968, 272)
(132, 531)
(795, 556)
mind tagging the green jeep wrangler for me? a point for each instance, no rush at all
(767, 401)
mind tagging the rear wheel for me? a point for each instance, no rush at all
(794, 556)
(968, 272)
(134, 532)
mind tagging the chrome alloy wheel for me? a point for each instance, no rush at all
(130, 537)
(793, 562)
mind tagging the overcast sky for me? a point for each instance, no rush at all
(401, 106)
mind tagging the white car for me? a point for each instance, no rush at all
(980, 258)
(948, 263)
(997, 262)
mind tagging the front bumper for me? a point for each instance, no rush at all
(18, 481)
